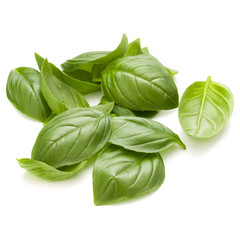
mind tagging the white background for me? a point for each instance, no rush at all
(200, 196)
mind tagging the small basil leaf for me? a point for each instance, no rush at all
(134, 48)
(205, 108)
(45, 171)
(71, 137)
(171, 71)
(120, 174)
(23, 91)
(139, 83)
(87, 60)
(119, 111)
(58, 94)
(106, 109)
(145, 51)
(39, 60)
(142, 135)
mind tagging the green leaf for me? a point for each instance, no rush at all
(81, 75)
(87, 60)
(142, 135)
(39, 60)
(134, 48)
(145, 51)
(171, 71)
(120, 174)
(23, 91)
(45, 171)
(145, 114)
(205, 108)
(59, 95)
(71, 137)
(139, 83)
(106, 109)
(119, 111)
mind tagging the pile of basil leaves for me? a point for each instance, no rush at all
(118, 132)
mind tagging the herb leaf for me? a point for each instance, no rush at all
(45, 171)
(142, 135)
(120, 174)
(23, 91)
(205, 108)
(139, 83)
(72, 136)
(87, 60)
(58, 94)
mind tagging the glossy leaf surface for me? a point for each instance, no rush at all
(43, 170)
(72, 136)
(23, 91)
(205, 108)
(139, 83)
(59, 95)
(87, 60)
(120, 174)
(142, 135)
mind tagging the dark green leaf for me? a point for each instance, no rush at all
(120, 174)
(205, 108)
(23, 91)
(139, 83)
(43, 170)
(142, 135)
(59, 95)
(72, 136)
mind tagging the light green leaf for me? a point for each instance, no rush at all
(45, 171)
(205, 108)
(139, 83)
(120, 174)
(23, 91)
(134, 48)
(72, 137)
(59, 95)
(142, 135)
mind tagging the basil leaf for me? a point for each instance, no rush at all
(97, 72)
(145, 51)
(171, 71)
(23, 91)
(45, 171)
(106, 109)
(71, 137)
(119, 111)
(58, 94)
(81, 75)
(205, 108)
(139, 83)
(142, 135)
(134, 48)
(39, 60)
(80, 80)
(120, 174)
(87, 60)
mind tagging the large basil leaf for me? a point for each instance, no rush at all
(23, 91)
(86, 60)
(43, 170)
(142, 135)
(120, 174)
(139, 83)
(205, 108)
(58, 94)
(72, 136)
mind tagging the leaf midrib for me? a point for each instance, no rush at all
(202, 104)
